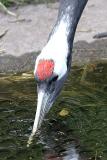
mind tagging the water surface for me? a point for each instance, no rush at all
(75, 128)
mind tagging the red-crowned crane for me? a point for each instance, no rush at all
(53, 64)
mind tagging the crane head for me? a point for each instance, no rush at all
(50, 75)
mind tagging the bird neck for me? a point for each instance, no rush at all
(64, 30)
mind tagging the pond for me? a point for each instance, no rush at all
(74, 129)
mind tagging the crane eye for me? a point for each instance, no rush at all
(53, 79)
(51, 83)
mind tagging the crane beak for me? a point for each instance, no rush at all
(44, 103)
(41, 108)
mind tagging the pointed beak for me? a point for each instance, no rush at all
(43, 106)
(45, 101)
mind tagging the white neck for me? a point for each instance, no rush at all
(58, 43)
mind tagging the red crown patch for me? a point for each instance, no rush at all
(45, 69)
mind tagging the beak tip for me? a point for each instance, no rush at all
(29, 142)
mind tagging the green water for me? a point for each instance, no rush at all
(84, 127)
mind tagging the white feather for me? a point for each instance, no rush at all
(57, 48)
